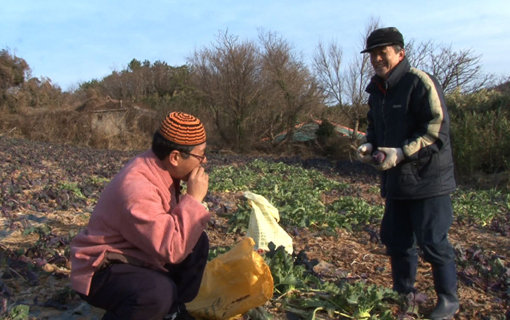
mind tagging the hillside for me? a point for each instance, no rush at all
(48, 192)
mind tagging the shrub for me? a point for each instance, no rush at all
(480, 129)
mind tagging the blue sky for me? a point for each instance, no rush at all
(76, 41)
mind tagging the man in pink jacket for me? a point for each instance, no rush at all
(144, 250)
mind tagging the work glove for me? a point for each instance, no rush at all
(393, 157)
(364, 152)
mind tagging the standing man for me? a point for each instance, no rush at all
(143, 253)
(409, 123)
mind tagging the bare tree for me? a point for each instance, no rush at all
(455, 70)
(227, 77)
(327, 64)
(418, 54)
(358, 77)
(346, 89)
(293, 90)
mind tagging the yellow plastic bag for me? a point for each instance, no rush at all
(233, 283)
(263, 226)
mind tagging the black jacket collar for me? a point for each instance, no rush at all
(396, 74)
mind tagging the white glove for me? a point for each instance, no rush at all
(364, 152)
(393, 157)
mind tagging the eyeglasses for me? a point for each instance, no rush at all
(200, 158)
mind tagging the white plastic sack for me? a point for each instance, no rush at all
(263, 226)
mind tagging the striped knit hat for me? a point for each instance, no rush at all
(183, 129)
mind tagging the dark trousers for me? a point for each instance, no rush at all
(126, 291)
(424, 223)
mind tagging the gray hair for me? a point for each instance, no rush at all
(397, 47)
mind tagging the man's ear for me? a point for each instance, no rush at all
(402, 54)
(174, 158)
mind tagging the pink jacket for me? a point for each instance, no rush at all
(138, 217)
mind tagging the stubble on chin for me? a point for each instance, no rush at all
(380, 71)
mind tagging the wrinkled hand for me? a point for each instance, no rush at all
(198, 183)
(364, 152)
(393, 157)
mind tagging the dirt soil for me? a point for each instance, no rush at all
(48, 192)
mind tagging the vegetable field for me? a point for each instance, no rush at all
(331, 209)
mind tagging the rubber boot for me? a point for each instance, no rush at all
(403, 271)
(445, 283)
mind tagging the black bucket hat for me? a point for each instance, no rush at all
(384, 37)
